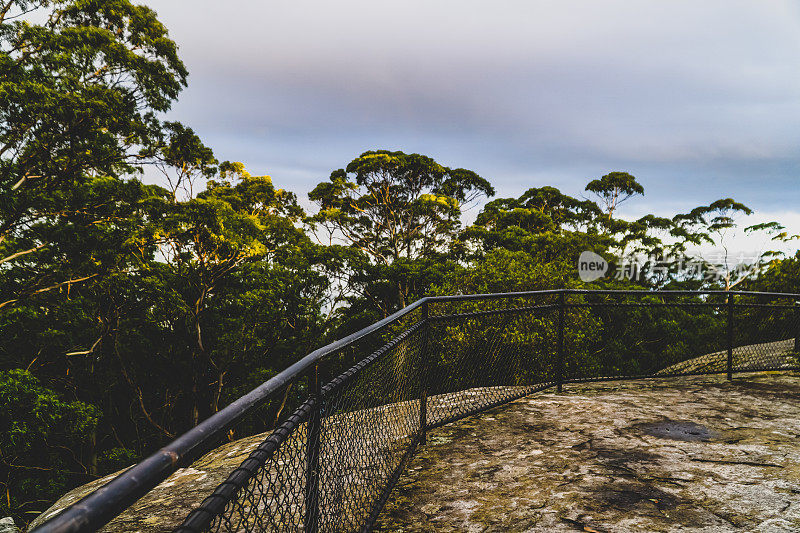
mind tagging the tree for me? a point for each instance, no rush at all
(204, 243)
(79, 95)
(780, 276)
(613, 189)
(544, 222)
(42, 446)
(393, 206)
(538, 210)
(555, 227)
(198, 292)
(183, 160)
(504, 270)
(714, 224)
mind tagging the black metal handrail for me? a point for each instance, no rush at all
(101, 506)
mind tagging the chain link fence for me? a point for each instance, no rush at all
(362, 405)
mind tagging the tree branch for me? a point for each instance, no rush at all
(50, 288)
(19, 254)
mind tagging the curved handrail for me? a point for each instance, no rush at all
(499, 295)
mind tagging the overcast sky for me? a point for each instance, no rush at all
(698, 100)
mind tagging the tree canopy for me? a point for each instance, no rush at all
(79, 98)
(392, 205)
(401, 212)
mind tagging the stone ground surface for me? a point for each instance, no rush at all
(678, 454)
(600, 457)
(165, 507)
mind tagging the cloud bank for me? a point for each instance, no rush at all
(698, 100)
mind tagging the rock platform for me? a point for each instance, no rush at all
(697, 454)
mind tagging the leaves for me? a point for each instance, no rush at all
(402, 212)
(78, 96)
(393, 205)
(159, 305)
(40, 443)
(615, 188)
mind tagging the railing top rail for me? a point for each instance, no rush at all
(98, 508)
(502, 295)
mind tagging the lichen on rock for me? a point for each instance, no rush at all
(678, 454)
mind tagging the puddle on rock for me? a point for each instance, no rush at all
(679, 430)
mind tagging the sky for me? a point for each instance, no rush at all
(698, 100)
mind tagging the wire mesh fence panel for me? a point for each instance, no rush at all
(459, 357)
(369, 424)
(267, 492)
(329, 464)
(765, 335)
(642, 335)
(479, 360)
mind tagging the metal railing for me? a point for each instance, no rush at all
(360, 406)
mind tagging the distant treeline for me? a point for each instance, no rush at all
(129, 312)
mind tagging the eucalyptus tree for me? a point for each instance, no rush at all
(79, 96)
(402, 213)
(239, 223)
(613, 189)
(149, 306)
(543, 222)
(81, 87)
(716, 224)
(645, 235)
(555, 227)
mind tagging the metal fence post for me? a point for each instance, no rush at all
(560, 354)
(796, 327)
(730, 338)
(311, 518)
(423, 376)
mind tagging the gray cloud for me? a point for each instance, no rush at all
(699, 100)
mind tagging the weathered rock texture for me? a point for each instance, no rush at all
(553, 461)
(7, 525)
(354, 480)
(165, 507)
(680, 454)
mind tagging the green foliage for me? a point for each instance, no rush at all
(116, 459)
(79, 95)
(43, 441)
(538, 210)
(393, 205)
(780, 276)
(615, 188)
(505, 271)
(714, 224)
(402, 213)
(710, 223)
(157, 305)
(544, 223)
